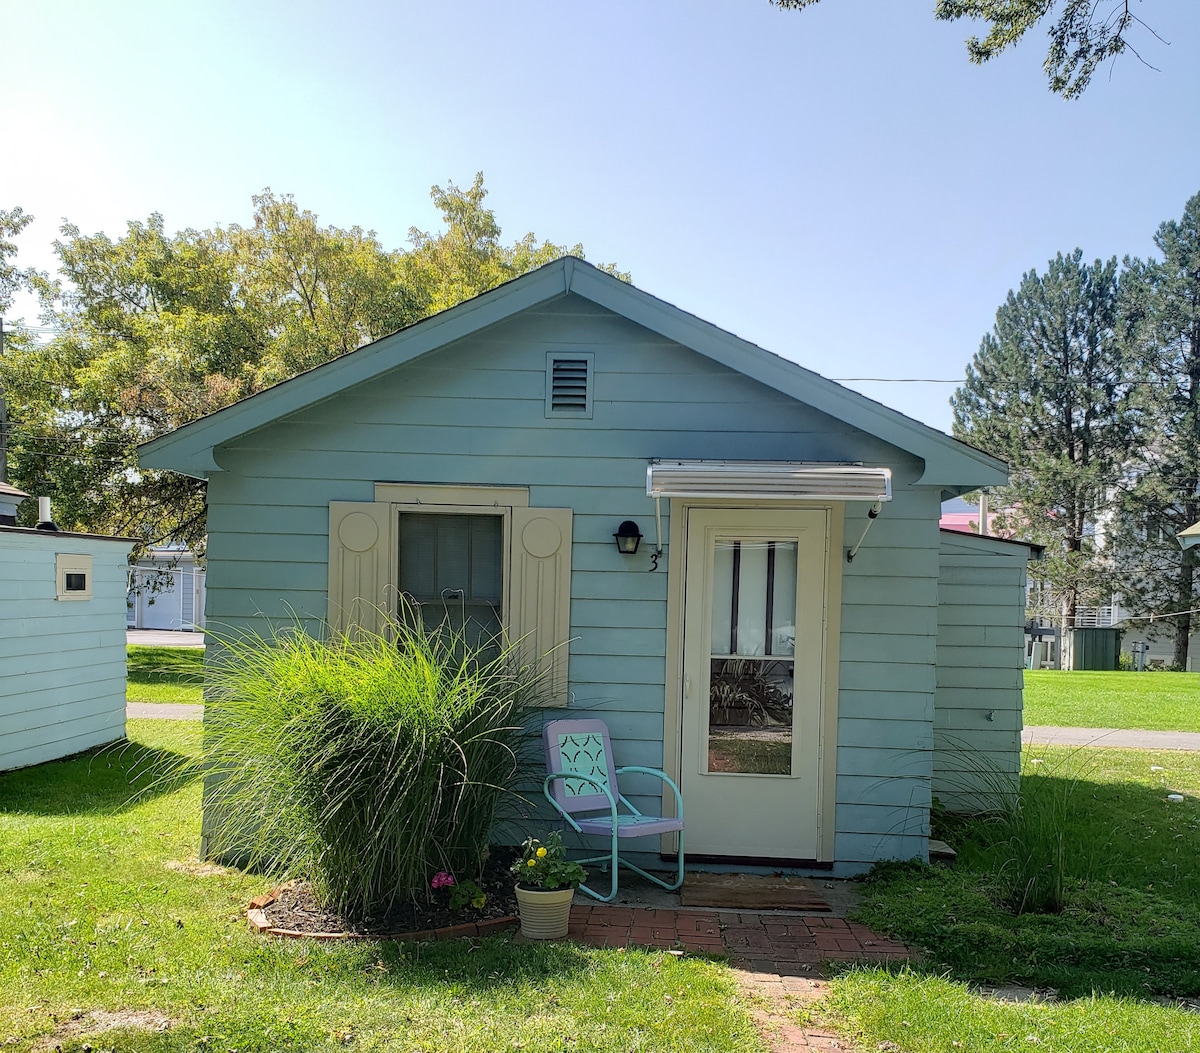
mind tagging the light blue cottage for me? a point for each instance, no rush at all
(62, 641)
(482, 460)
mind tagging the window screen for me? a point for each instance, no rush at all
(451, 567)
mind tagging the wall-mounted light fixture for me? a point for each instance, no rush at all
(628, 537)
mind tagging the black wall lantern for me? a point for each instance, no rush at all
(628, 537)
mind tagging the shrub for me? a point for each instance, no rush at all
(363, 764)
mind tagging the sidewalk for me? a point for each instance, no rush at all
(162, 711)
(1129, 738)
(163, 638)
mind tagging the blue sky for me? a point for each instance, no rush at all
(839, 185)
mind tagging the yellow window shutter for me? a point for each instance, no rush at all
(360, 565)
(540, 592)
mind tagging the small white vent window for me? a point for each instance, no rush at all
(73, 576)
(569, 385)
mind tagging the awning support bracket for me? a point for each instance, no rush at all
(658, 549)
(872, 515)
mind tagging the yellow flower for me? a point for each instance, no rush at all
(541, 852)
(532, 863)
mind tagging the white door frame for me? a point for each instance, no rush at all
(676, 599)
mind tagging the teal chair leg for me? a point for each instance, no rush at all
(615, 862)
(603, 789)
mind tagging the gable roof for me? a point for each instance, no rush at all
(949, 464)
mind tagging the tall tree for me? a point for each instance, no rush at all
(15, 337)
(12, 278)
(1161, 306)
(1047, 392)
(156, 329)
(1083, 33)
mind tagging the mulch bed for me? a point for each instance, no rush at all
(291, 911)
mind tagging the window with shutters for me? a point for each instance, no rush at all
(477, 558)
(569, 384)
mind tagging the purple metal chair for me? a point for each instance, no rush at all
(582, 786)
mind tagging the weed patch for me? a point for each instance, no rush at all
(1123, 863)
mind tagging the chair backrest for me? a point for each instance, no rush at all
(579, 746)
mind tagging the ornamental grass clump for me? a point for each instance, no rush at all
(1021, 826)
(363, 764)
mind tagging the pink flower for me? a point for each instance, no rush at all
(442, 880)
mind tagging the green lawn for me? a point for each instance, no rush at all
(165, 674)
(917, 1013)
(1129, 859)
(1154, 701)
(1129, 931)
(103, 909)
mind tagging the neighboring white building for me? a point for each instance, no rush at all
(166, 591)
(1042, 606)
(10, 498)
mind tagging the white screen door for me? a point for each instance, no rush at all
(754, 660)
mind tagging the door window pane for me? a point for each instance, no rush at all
(754, 598)
(750, 716)
(751, 666)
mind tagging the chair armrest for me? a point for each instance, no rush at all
(665, 778)
(598, 783)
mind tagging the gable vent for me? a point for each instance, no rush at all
(569, 385)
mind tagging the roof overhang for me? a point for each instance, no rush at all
(947, 464)
(769, 480)
(1190, 537)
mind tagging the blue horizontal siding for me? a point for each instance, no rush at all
(62, 662)
(980, 655)
(474, 413)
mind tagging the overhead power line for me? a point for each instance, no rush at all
(895, 380)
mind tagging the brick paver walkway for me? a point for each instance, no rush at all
(772, 943)
(774, 955)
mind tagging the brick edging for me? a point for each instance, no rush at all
(256, 917)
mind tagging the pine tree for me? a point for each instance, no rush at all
(1046, 393)
(1161, 309)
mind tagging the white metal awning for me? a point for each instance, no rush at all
(779, 480)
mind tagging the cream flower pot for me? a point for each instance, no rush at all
(545, 913)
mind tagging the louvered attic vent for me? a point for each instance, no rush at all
(569, 385)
